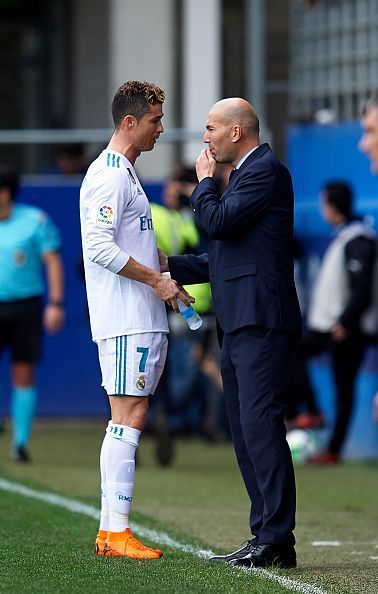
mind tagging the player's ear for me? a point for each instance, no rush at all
(129, 122)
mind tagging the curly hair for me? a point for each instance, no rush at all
(135, 98)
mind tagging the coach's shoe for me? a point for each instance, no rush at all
(100, 542)
(268, 555)
(20, 454)
(245, 549)
(124, 544)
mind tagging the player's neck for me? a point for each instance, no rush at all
(124, 147)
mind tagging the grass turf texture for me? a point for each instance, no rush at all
(199, 499)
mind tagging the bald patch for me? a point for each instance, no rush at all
(237, 111)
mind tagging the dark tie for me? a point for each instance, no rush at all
(232, 174)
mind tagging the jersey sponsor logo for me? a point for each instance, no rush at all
(105, 214)
(146, 224)
(141, 382)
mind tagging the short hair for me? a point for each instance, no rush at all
(371, 103)
(10, 181)
(340, 195)
(135, 98)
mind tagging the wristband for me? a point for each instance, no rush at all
(56, 303)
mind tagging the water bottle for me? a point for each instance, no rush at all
(190, 315)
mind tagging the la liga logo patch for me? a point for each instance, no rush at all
(105, 214)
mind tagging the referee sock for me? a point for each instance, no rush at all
(120, 468)
(23, 403)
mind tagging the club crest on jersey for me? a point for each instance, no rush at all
(141, 382)
(105, 214)
(131, 175)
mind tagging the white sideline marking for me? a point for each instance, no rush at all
(339, 543)
(326, 543)
(161, 537)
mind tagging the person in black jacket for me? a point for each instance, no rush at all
(250, 267)
(339, 317)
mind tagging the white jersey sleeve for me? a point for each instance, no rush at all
(108, 200)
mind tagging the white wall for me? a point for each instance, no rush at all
(201, 66)
(141, 48)
(89, 64)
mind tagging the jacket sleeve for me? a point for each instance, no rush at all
(189, 269)
(223, 217)
(359, 262)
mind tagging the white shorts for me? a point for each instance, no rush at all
(132, 365)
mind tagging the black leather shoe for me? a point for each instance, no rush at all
(246, 548)
(266, 555)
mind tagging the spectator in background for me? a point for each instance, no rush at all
(70, 159)
(338, 317)
(29, 242)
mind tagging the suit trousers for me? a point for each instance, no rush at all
(255, 363)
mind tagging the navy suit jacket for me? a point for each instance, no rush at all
(250, 257)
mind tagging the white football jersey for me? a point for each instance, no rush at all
(116, 223)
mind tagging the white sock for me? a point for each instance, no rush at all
(119, 470)
(104, 514)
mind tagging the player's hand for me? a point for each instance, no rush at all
(205, 165)
(53, 318)
(163, 261)
(166, 288)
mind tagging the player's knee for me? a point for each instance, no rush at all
(138, 420)
(129, 411)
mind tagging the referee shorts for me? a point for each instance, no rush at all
(132, 365)
(21, 329)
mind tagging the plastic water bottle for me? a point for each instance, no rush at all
(191, 317)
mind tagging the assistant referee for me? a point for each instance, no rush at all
(29, 246)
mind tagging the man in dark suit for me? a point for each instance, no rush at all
(250, 266)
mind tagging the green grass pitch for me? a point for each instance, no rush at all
(199, 501)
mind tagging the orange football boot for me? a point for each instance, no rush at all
(124, 544)
(100, 542)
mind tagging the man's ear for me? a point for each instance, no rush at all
(236, 133)
(128, 122)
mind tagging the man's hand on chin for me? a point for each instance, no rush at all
(205, 165)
